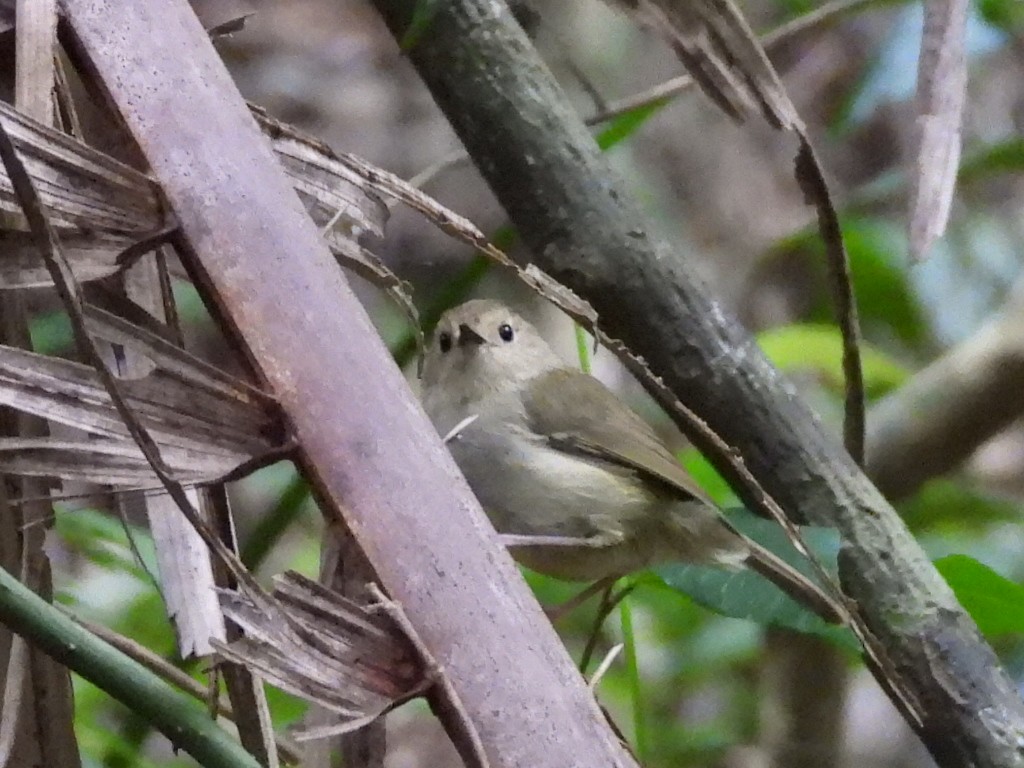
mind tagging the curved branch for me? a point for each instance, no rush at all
(572, 210)
(938, 419)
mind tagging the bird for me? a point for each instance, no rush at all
(579, 487)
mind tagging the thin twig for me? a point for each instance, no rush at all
(604, 610)
(595, 631)
(603, 667)
(811, 178)
(133, 547)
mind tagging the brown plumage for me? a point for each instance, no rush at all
(582, 485)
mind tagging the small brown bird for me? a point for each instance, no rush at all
(580, 487)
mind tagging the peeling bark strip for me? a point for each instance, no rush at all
(570, 209)
(363, 436)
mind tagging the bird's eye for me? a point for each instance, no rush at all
(444, 341)
(506, 332)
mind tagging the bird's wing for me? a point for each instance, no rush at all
(576, 412)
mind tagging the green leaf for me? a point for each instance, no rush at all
(707, 477)
(1006, 15)
(51, 333)
(1001, 157)
(745, 595)
(820, 347)
(625, 125)
(995, 603)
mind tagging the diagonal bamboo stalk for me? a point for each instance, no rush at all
(367, 446)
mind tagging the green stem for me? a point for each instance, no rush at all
(173, 714)
(633, 672)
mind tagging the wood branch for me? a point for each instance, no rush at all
(947, 411)
(365, 440)
(584, 229)
(246, 691)
(928, 427)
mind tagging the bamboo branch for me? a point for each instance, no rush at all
(368, 447)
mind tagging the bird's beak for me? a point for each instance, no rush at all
(468, 336)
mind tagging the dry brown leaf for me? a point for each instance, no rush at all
(79, 186)
(173, 360)
(98, 205)
(351, 660)
(941, 90)
(180, 414)
(206, 423)
(186, 575)
(723, 55)
(117, 463)
(322, 181)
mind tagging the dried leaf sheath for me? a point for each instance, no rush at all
(346, 657)
(721, 52)
(205, 426)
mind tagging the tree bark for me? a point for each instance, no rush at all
(584, 228)
(369, 448)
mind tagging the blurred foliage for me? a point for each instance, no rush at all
(956, 507)
(819, 348)
(1006, 15)
(888, 305)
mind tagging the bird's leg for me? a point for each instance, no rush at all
(560, 611)
(608, 602)
(597, 541)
